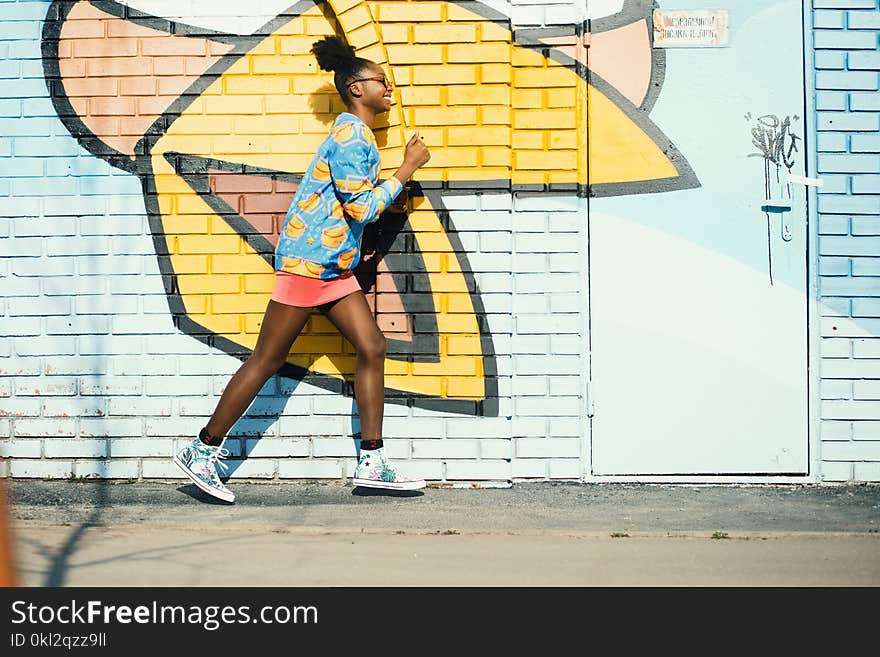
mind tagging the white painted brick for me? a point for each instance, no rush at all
(548, 365)
(333, 426)
(139, 406)
(866, 390)
(143, 324)
(28, 306)
(561, 386)
(177, 386)
(530, 263)
(850, 410)
(46, 385)
(568, 427)
(109, 427)
(141, 447)
(496, 449)
(866, 471)
(104, 305)
(556, 283)
(524, 386)
(4, 469)
(110, 385)
(45, 346)
(842, 327)
(252, 427)
(548, 406)
(486, 220)
(20, 326)
(836, 389)
(495, 201)
(5, 388)
(45, 427)
(333, 447)
(76, 365)
(199, 406)
(851, 451)
(836, 471)
(20, 407)
(530, 344)
(866, 307)
(165, 427)
(497, 303)
(494, 282)
(529, 468)
(471, 202)
(546, 447)
(527, 427)
(106, 469)
(565, 469)
(106, 345)
(445, 449)
(23, 366)
(310, 469)
(5, 427)
(207, 364)
(866, 348)
(866, 430)
(407, 427)
(91, 448)
(27, 468)
(835, 430)
(529, 304)
(173, 344)
(838, 348)
(74, 407)
(863, 368)
(161, 469)
(278, 447)
(553, 324)
(21, 449)
(496, 240)
(489, 427)
(253, 469)
(478, 470)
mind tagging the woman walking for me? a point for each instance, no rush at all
(318, 247)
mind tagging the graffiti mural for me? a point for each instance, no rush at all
(219, 126)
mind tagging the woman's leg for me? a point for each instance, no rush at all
(354, 319)
(281, 326)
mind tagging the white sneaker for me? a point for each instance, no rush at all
(374, 470)
(200, 462)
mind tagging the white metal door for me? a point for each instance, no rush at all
(698, 306)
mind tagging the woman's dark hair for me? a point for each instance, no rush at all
(333, 54)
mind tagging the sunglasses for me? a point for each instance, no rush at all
(383, 80)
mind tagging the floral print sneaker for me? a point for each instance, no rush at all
(374, 470)
(200, 462)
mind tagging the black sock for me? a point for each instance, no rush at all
(208, 439)
(371, 444)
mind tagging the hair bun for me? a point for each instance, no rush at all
(331, 52)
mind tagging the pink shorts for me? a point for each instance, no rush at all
(305, 292)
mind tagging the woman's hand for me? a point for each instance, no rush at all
(416, 155)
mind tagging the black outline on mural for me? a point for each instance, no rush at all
(141, 165)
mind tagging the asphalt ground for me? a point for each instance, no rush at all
(94, 533)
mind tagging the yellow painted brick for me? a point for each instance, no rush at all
(527, 98)
(374, 53)
(447, 282)
(459, 365)
(459, 303)
(295, 44)
(256, 125)
(224, 304)
(479, 53)
(252, 85)
(395, 33)
(523, 177)
(433, 261)
(484, 94)
(456, 323)
(227, 325)
(363, 37)
(459, 344)
(498, 73)
(188, 244)
(495, 114)
(495, 157)
(420, 96)
(259, 283)
(224, 264)
(319, 27)
(491, 31)
(426, 385)
(402, 75)
(396, 367)
(544, 119)
(479, 136)
(234, 105)
(428, 116)
(195, 304)
(545, 160)
(466, 387)
(320, 324)
(192, 264)
(528, 139)
(415, 54)
(521, 56)
(206, 125)
(461, 33)
(454, 157)
(309, 123)
(190, 204)
(556, 76)
(245, 144)
(445, 74)
(563, 139)
(289, 62)
(194, 284)
(252, 322)
(561, 97)
(318, 344)
(354, 18)
(484, 173)
(340, 6)
(408, 12)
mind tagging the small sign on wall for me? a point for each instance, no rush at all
(691, 28)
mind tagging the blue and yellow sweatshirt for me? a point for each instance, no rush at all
(336, 198)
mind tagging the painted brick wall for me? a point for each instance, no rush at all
(847, 62)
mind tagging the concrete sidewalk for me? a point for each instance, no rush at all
(330, 534)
